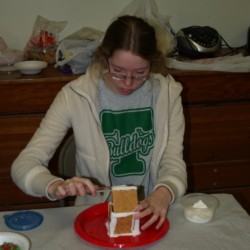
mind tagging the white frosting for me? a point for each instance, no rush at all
(199, 212)
(123, 187)
(200, 204)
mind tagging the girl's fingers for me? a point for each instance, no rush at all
(151, 221)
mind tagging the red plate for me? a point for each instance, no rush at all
(90, 226)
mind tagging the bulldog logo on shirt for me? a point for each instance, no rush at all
(130, 137)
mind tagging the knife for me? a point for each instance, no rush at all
(103, 189)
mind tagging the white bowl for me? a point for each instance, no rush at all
(199, 208)
(31, 67)
(15, 238)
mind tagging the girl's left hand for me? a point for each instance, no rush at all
(155, 206)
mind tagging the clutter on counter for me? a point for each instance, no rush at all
(43, 42)
(228, 63)
(9, 56)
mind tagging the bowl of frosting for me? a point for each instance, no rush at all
(199, 207)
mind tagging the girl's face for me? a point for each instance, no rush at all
(127, 72)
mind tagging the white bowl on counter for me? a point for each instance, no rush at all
(31, 67)
(199, 208)
(15, 238)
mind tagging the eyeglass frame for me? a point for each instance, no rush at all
(120, 77)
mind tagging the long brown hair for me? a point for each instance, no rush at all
(132, 34)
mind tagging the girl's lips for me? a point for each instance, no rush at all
(126, 91)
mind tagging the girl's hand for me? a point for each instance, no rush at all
(75, 186)
(155, 206)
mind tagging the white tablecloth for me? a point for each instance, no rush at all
(230, 229)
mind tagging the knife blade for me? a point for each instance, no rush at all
(103, 189)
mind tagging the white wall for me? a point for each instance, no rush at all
(230, 17)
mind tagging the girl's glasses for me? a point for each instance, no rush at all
(119, 77)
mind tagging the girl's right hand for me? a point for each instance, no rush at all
(75, 186)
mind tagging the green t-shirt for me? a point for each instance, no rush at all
(128, 126)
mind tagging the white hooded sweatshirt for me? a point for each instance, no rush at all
(75, 106)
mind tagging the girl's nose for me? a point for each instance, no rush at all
(128, 81)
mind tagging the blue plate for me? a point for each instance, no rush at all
(23, 220)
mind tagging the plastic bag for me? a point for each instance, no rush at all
(147, 9)
(43, 42)
(9, 56)
(77, 49)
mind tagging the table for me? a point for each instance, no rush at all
(230, 229)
